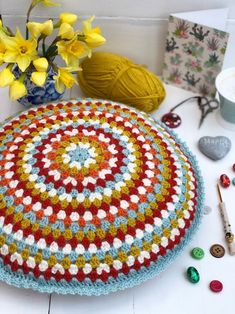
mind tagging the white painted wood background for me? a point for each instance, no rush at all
(136, 29)
(133, 28)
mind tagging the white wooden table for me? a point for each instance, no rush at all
(170, 292)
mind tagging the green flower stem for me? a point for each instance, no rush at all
(6, 30)
(22, 77)
(33, 4)
(57, 25)
(44, 46)
(27, 19)
(39, 39)
(54, 67)
(10, 66)
(81, 37)
(52, 48)
(9, 32)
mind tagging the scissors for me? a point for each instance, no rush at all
(206, 106)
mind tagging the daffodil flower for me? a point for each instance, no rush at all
(64, 79)
(47, 3)
(66, 31)
(20, 50)
(50, 3)
(6, 77)
(68, 18)
(17, 90)
(34, 29)
(47, 28)
(93, 35)
(2, 51)
(71, 51)
(37, 29)
(39, 78)
(41, 64)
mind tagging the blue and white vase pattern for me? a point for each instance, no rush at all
(38, 95)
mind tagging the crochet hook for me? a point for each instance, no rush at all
(229, 236)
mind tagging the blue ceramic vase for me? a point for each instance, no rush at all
(38, 95)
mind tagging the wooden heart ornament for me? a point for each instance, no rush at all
(214, 148)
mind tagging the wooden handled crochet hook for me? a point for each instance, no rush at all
(229, 236)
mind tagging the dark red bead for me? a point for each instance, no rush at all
(172, 120)
(234, 167)
(224, 181)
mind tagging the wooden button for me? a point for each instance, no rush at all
(217, 250)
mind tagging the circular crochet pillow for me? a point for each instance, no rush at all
(94, 197)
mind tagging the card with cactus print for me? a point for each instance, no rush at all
(195, 51)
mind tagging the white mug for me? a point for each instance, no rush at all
(225, 85)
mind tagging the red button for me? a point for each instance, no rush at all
(171, 119)
(216, 286)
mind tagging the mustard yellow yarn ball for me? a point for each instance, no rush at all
(110, 76)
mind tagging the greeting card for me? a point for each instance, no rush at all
(195, 49)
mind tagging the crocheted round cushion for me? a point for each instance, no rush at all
(94, 197)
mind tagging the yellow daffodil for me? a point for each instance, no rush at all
(34, 29)
(17, 90)
(50, 3)
(64, 79)
(2, 51)
(47, 28)
(93, 35)
(71, 51)
(39, 78)
(68, 18)
(41, 64)
(47, 3)
(20, 50)
(6, 77)
(37, 29)
(66, 31)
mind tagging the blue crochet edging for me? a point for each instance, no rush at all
(123, 281)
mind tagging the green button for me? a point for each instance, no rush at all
(193, 275)
(197, 253)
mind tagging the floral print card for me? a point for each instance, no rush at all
(195, 52)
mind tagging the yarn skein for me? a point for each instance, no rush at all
(113, 77)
